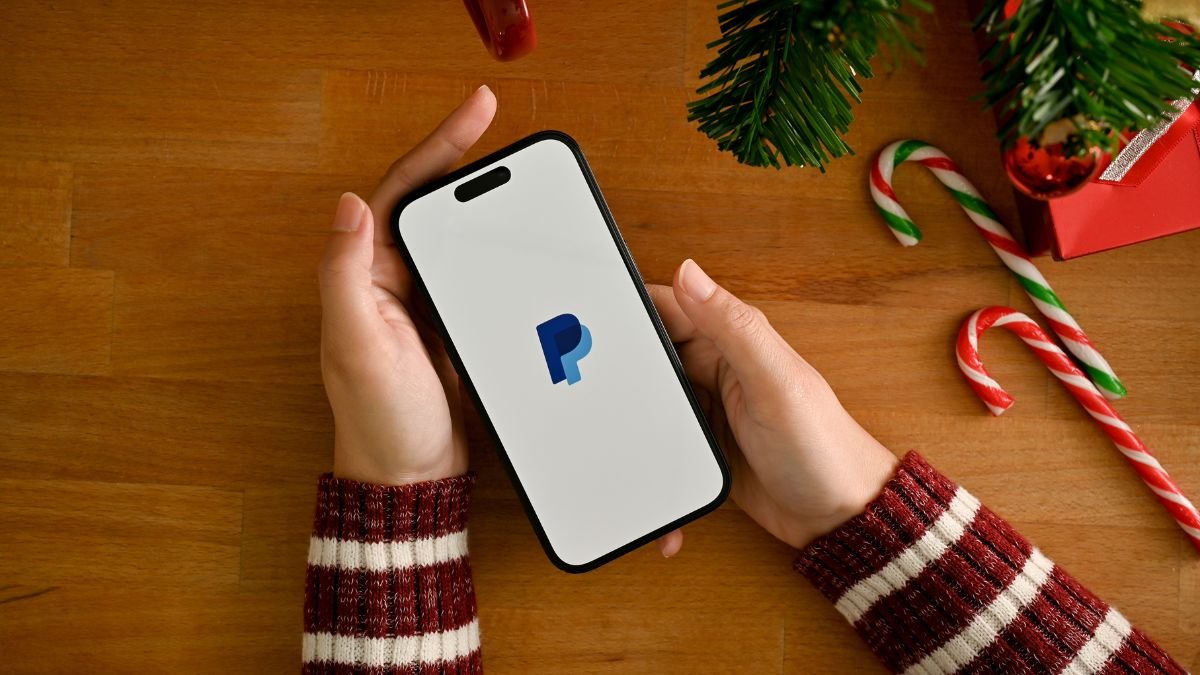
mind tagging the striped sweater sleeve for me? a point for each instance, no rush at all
(388, 587)
(937, 583)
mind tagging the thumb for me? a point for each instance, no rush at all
(345, 272)
(740, 331)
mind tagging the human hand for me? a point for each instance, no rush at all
(801, 465)
(393, 391)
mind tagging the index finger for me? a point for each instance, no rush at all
(433, 156)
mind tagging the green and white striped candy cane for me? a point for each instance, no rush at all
(997, 236)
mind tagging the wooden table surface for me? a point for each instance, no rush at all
(167, 174)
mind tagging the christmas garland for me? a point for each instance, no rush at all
(781, 88)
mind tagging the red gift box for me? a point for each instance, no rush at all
(1149, 190)
(1146, 192)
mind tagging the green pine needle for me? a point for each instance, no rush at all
(786, 75)
(1096, 61)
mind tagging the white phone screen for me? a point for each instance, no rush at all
(551, 330)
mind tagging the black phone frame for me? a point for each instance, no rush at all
(652, 313)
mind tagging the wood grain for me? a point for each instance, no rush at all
(228, 434)
(118, 533)
(168, 172)
(213, 325)
(36, 225)
(216, 628)
(57, 320)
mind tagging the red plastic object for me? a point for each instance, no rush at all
(505, 27)
(1046, 172)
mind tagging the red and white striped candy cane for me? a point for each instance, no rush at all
(997, 236)
(997, 400)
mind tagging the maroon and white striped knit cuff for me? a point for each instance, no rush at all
(937, 583)
(389, 584)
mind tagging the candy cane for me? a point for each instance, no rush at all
(997, 236)
(1061, 366)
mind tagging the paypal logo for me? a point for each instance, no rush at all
(565, 342)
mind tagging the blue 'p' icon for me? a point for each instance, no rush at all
(565, 342)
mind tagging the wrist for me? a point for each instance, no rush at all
(862, 479)
(390, 466)
(865, 482)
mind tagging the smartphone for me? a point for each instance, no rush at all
(546, 319)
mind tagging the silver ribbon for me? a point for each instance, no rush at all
(1139, 144)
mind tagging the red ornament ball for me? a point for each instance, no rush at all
(1045, 171)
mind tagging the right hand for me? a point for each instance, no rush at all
(801, 465)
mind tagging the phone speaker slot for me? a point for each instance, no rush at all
(485, 183)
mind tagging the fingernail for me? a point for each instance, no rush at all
(484, 87)
(696, 283)
(349, 213)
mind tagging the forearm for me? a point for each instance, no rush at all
(389, 582)
(935, 582)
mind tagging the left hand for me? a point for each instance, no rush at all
(393, 391)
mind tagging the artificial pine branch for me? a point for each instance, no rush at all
(781, 85)
(1097, 62)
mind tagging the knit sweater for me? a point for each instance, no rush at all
(933, 581)
(388, 588)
